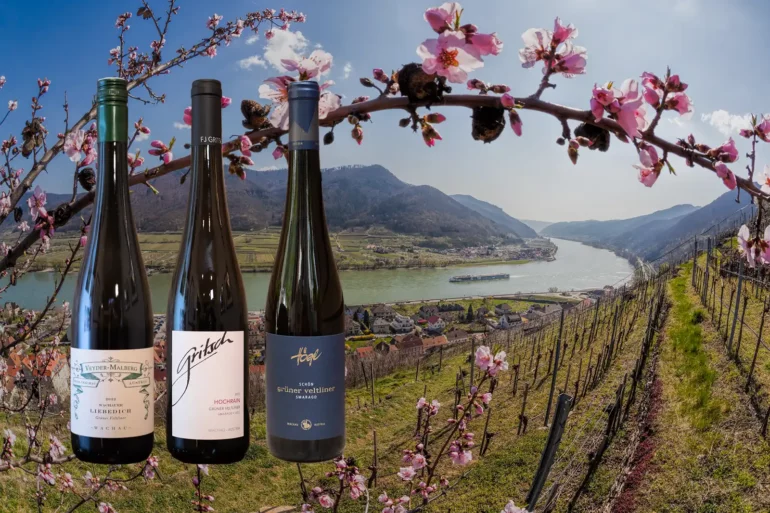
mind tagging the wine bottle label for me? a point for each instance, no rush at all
(305, 386)
(112, 392)
(206, 380)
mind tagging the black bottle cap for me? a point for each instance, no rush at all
(207, 86)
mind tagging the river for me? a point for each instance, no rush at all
(577, 266)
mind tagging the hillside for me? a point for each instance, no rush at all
(603, 231)
(496, 214)
(357, 198)
(538, 226)
(652, 235)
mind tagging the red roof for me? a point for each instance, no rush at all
(433, 319)
(365, 350)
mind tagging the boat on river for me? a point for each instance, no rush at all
(479, 277)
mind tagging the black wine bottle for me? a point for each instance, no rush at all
(304, 313)
(112, 357)
(207, 318)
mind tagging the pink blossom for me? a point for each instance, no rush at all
(571, 63)
(765, 180)
(278, 152)
(647, 176)
(444, 17)
(245, 145)
(498, 364)
(486, 44)
(239, 26)
(105, 507)
(653, 96)
(12, 105)
(73, 143)
(269, 35)
(537, 42)
(745, 243)
(460, 457)
(430, 135)
(168, 157)
(276, 89)
(406, 473)
(2, 81)
(561, 33)
(631, 113)
(745, 132)
(66, 482)
(727, 176)
(213, 21)
(45, 474)
(327, 103)
(23, 226)
(57, 449)
(727, 152)
(418, 461)
(380, 75)
(507, 101)
(602, 97)
(36, 203)
(157, 46)
(675, 85)
(383, 498)
(512, 508)
(449, 56)
(435, 117)
(486, 398)
(317, 63)
(139, 127)
(211, 51)
(187, 116)
(680, 102)
(516, 123)
(326, 501)
(434, 406)
(226, 101)
(5, 204)
(421, 403)
(483, 357)
(357, 486)
(652, 81)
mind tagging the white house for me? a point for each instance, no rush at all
(402, 324)
(380, 326)
(436, 323)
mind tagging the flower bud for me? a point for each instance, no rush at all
(366, 82)
(403, 123)
(329, 137)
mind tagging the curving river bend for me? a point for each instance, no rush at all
(576, 267)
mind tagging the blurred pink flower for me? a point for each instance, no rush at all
(727, 176)
(653, 96)
(460, 457)
(36, 203)
(647, 176)
(278, 152)
(226, 101)
(763, 129)
(571, 63)
(727, 152)
(317, 63)
(498, 364)
(631, 113)
(449, 56)
(486, 398)
(213, 21)
(745, 244)
(105, 507)
(483, 357)
(537, 43)
(406, 473)
(211, 51)
(561, 33)
(73, 143)
(745, 132)
(245, 145)
(421, 403)
(516, 123)
(187, 116)
(486, 44)
(12, 105)
(2, 81)
(444, 17)
(679, 102)
(380, 75)
(512, 508)
(418, 461)
(507, 101)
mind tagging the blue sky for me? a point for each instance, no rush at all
(714, 47)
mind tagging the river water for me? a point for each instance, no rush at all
(576, 267)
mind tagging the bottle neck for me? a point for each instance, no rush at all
(112, 133)
(208, 207)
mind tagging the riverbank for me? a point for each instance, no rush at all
(577, 267)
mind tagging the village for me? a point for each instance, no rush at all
(370, 330)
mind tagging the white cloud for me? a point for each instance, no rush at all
(347, 70)
(725, 122)
(267, 168)
(284, 44)
(142, 137)
(181, 126)
(252, 39)
(318, 45)
(250, 62)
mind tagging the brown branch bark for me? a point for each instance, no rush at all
(66, 211)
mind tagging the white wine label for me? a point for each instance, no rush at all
(207, 389)
(112, 392)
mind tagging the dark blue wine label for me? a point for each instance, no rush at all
(305, 386)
